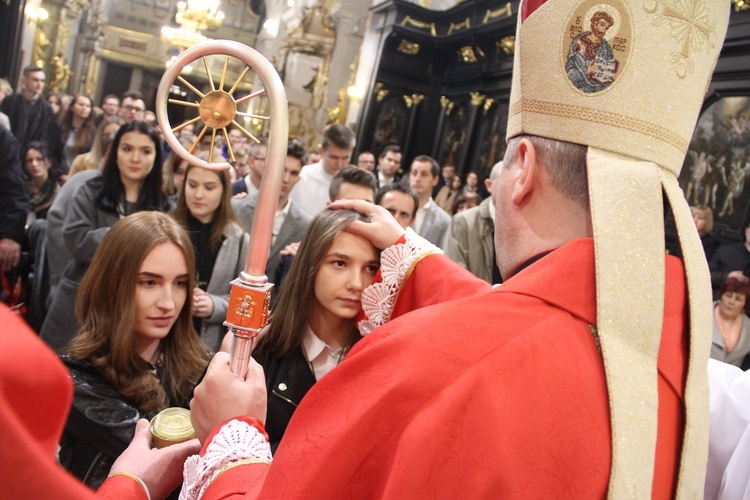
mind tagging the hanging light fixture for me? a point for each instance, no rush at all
(193, 16)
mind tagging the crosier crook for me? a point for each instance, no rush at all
(249, 298)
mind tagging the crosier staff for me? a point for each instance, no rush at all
(250, 295)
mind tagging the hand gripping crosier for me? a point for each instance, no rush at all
(250, 295)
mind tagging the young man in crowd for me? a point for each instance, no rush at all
(389, 165)
(431, 221)
(133, 106)
(447, 173)
(366, 161)
(290, 222)
(335, 151)
(256, 163)
(31, 117)
(110, 105)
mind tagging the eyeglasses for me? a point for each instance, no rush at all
(135, 109)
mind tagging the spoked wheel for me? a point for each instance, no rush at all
(218, 108)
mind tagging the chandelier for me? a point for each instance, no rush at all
(199, 14)
(193, 16)
(180, 37)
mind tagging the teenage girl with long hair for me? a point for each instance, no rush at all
(77, 129)
(130, 182)
(204, 210)
(136, 352)
(312, 326)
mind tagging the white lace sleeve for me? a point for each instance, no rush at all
(396, 261)
(235, 441)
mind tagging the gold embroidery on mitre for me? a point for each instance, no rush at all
(688, 23)
(596, 45)
(600, 116)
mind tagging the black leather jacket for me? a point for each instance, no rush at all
(288, 379)
(100, 426)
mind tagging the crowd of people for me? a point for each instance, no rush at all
(362, 384)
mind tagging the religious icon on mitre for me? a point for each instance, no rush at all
(596, 44)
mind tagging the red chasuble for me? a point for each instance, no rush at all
(35, 397)
(496, 395)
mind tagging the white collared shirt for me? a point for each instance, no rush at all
(311, 192)
(251, 189)
(383, 180)
(321, 358)
(421, 213)
(278, 221)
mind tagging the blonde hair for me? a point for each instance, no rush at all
(708, 215)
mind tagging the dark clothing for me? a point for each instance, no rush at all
(288, 379)
(42, 200)
(205, 254)
(100, 425)
(14, 199)
(205, 257)
(30, 120)
(727, 258)
(239, 186)
(710, 244)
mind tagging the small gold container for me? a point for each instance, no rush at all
(171, 426)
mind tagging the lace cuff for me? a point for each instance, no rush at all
(396, 263)
(236, 441)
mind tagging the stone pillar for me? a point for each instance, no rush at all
(348, 15)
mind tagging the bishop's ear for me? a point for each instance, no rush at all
(526, 171)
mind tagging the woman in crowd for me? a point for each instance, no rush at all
(465, 201)
(474, 185)
(41, 185)
(77, 129)
(447, 194)
(130, 182)
(220, 244)
(731, 338)
(703, 217)
(136, 352)
(313, 325)
(103, 137)
(55, 102)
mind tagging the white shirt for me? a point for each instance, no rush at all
(311, 192)
(278, 221)
(320, 356)
(421, 213)
(383, 180)
(251, 189)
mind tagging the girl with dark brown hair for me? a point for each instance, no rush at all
(77, 129)
(313, 324)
